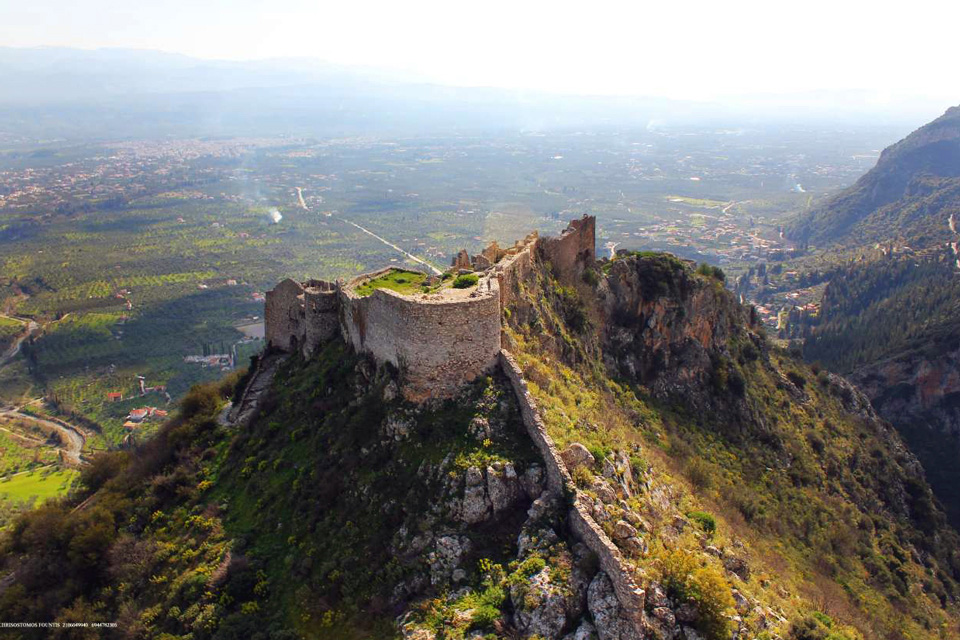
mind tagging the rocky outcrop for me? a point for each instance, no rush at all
(920, 395)
(629, 596)
(665, 326)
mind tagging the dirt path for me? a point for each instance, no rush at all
(71, 437)
(11, 353)
(246, 410)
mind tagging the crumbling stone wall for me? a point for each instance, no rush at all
(439, 342)
(630, 596)
(283, 316)
(514, 270)
(574, 248)
(321, 314)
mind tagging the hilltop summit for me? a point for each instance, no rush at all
(907, 197)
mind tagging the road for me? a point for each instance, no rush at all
(393, 246)
(383, 240)
(70, 436)
(11, 353)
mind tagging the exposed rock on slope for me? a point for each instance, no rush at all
(708, 487)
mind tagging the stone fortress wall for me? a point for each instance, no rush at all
(438, 341)
(442, 341)
(629, 594)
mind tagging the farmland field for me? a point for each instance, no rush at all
(132, 256)
(36, 485)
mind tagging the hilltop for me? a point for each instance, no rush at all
(907, 198)
(635, 460)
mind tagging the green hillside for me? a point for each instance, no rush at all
(745, 492)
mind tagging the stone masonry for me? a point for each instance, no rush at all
(438, 341)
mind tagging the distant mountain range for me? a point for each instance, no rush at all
(61, 92)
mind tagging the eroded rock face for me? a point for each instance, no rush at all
(541, 608)
(665, 324)
(476, 504)
(503, 487)
(920, 395)
(445, 559)
(608, 617)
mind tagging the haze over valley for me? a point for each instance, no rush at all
(316, 331)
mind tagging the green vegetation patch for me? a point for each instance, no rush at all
(465, 281)
(38, 484)
(399, 280)
(9, 330)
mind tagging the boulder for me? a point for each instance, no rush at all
(687, 613)
(503, 487)
(585, 631)
(604, 491)
(656, 596)
(637, 521)
(737, 566)
(740, 601)
(476, 504)
(608, 617)
(532, 481)
(623, 530)
(577, 455)
(539, 605)
(635, 546)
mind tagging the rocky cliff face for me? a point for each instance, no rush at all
(665, 326)
(920, 394)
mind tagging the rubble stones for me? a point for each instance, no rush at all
(577, 455)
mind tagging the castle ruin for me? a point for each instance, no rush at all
(438, 340)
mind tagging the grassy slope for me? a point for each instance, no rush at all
(807, 488)
(406, 282)
(286, 526)
(37, 484)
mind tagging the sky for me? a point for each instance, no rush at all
(681, 49)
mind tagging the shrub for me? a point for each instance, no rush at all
(736, 384)
(711, 272)
(202, 399)
(574, 311)
(582, 477)
(103, 467)
(591, 277)
(686, 578)
(797, 379)
(700, 474)
(705, 521)
(819, 626)
(465, 281)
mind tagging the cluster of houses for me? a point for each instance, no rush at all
(138, 416)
